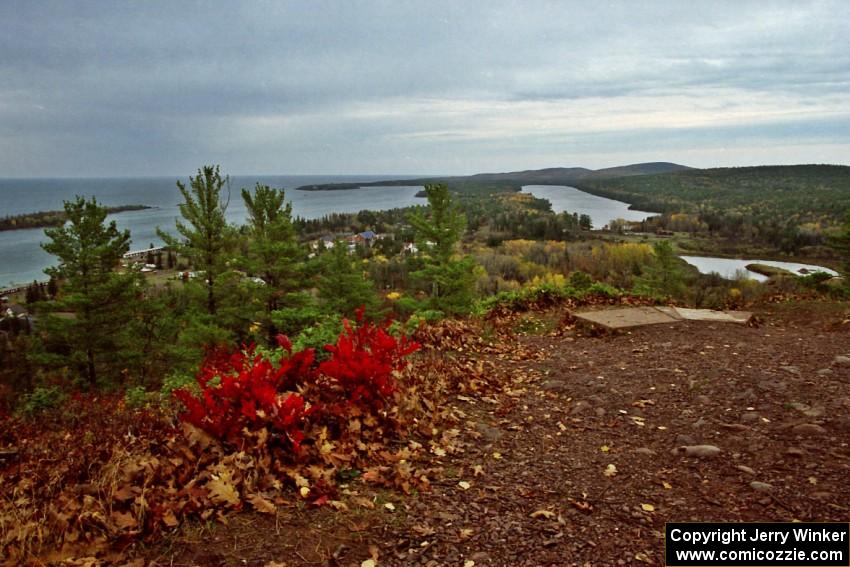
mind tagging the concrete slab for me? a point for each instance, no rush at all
(626, 318)
(671, 311)
(740, 317)
(629, 317)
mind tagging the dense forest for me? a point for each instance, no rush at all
(787, 207)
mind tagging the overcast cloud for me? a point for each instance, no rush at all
(148, 88)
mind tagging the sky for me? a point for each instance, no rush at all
(393, 87)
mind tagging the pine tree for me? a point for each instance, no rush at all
(448, 277)
(664, 276)
(92, 338)
(205, 232)
(343, 287)
(274, 253)
(52, 287)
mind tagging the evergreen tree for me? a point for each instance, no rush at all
(30, 295)
(52, 287)
(205, 231)
(664, 276)
(343, 287)
(448, 277)
(274, 253)
(92, 337)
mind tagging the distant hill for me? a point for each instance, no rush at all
(806, 193)
(650, 168)
(485, 183)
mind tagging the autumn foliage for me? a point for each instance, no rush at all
(252, 430)
(244, 391)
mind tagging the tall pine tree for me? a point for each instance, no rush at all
(273, 254)
(448, 276)
(87, 327)
(206, 235)
(343, 287)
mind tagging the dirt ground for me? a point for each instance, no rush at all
(583, 463)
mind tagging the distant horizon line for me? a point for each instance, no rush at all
(407, 175)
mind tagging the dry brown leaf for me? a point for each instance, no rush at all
(262, 505)
(548, 514)
(124, 520)
(124, 493)
(582, 505)
(363, 502)
(169, 519)
(223, 492)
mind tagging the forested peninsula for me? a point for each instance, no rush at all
(43, 219)
(487, 183)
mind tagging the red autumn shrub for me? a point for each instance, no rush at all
(363, 361)
(244, 390)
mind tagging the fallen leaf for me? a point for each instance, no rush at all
(262, 505)
(123, 494)
(169, 519)
(581, 505)
(604, 448)
(647, 507)
(478, 470)
(275, 564)
(464, 485)
(223, 492)
(610, 470)
(548, 514)
(125, 521)
(363, 502)
(666, 485)
(424, 531)
(465, 533)
(497, 456)
(368, 563)
(304, 492)
(390, 506)
(469, 563)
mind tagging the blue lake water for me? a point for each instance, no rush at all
(600, 209)
(734, 268)
(22, 260)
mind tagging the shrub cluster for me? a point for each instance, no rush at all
(246, 391)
